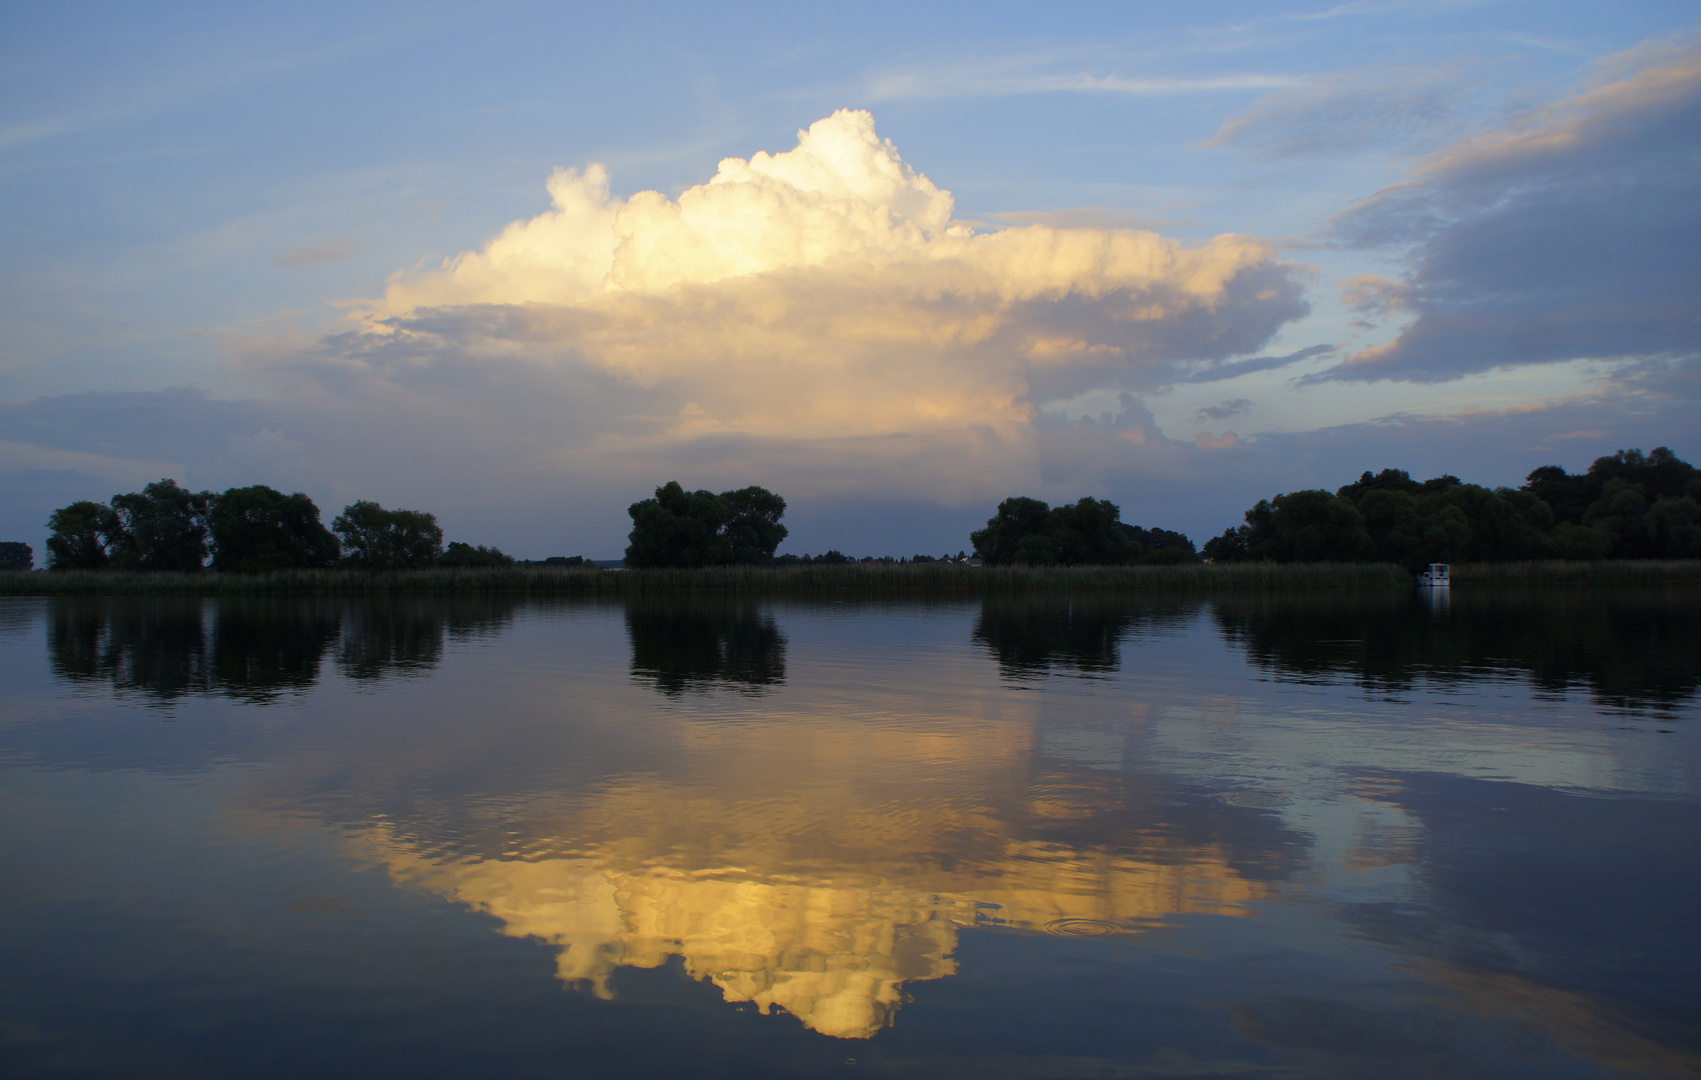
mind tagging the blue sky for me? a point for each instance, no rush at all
(1460, 237)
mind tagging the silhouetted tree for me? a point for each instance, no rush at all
(257, 529)
(16, 556)
(378, 539)
(699, 528)
(1086, 532)
(161, 527)
(1626, 506)
(1300, 526)
(463, 556)
(753, 531)
(83, 536)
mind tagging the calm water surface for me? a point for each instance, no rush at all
(1286, 836)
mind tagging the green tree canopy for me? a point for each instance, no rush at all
(378, 539)
(1629, 505)
(1304, 526)
(258, 529)
(465, 556)
(1087, 532)
(1634, 504)
(16, 556)
(83, 535)
(699, 528)
(161, 527)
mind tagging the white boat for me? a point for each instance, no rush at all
(1438, 576)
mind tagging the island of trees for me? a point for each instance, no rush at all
(248, 530)
(1627, 506)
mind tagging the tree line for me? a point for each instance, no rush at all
(247, 530)
(1087, 532)
(1627, 506)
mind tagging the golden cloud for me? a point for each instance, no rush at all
(825, 295)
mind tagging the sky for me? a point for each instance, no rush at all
(518, 264)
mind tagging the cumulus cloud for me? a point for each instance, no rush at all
(1571, 234)
(815, 313)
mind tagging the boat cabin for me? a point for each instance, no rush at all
(1439, 575)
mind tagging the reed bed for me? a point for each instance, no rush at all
(1651, 572)
(876, 578)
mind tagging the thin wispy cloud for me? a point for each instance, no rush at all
(1221, 371)
(1403, 110)
(1016, 76)
(1225, 410)
(1356, 8)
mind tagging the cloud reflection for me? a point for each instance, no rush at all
(831, 941)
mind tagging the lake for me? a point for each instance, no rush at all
(1306, 834)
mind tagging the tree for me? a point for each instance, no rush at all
(378, 539)
(753, 531)
(1674, 526)
(83, 536)
(257, 529)
(1313, 526)
(1017, 532)
(161, 527)
(1086, 532)
(1629, 505)
(464, 556)
(16, 556)
(1161, 546)
(1395, 526)
(699, 528)
(1614, 500)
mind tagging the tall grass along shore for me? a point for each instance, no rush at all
(940, 578)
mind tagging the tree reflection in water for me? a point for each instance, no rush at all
(681, 645)
(1033, 635)
(1630, 649)
(254, 649)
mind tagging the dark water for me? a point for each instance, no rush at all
(1281, 836)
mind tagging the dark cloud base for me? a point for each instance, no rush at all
(501, 491)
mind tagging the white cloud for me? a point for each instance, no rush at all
(816, 310)
(1011, 77)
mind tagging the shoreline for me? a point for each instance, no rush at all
(878, 578)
